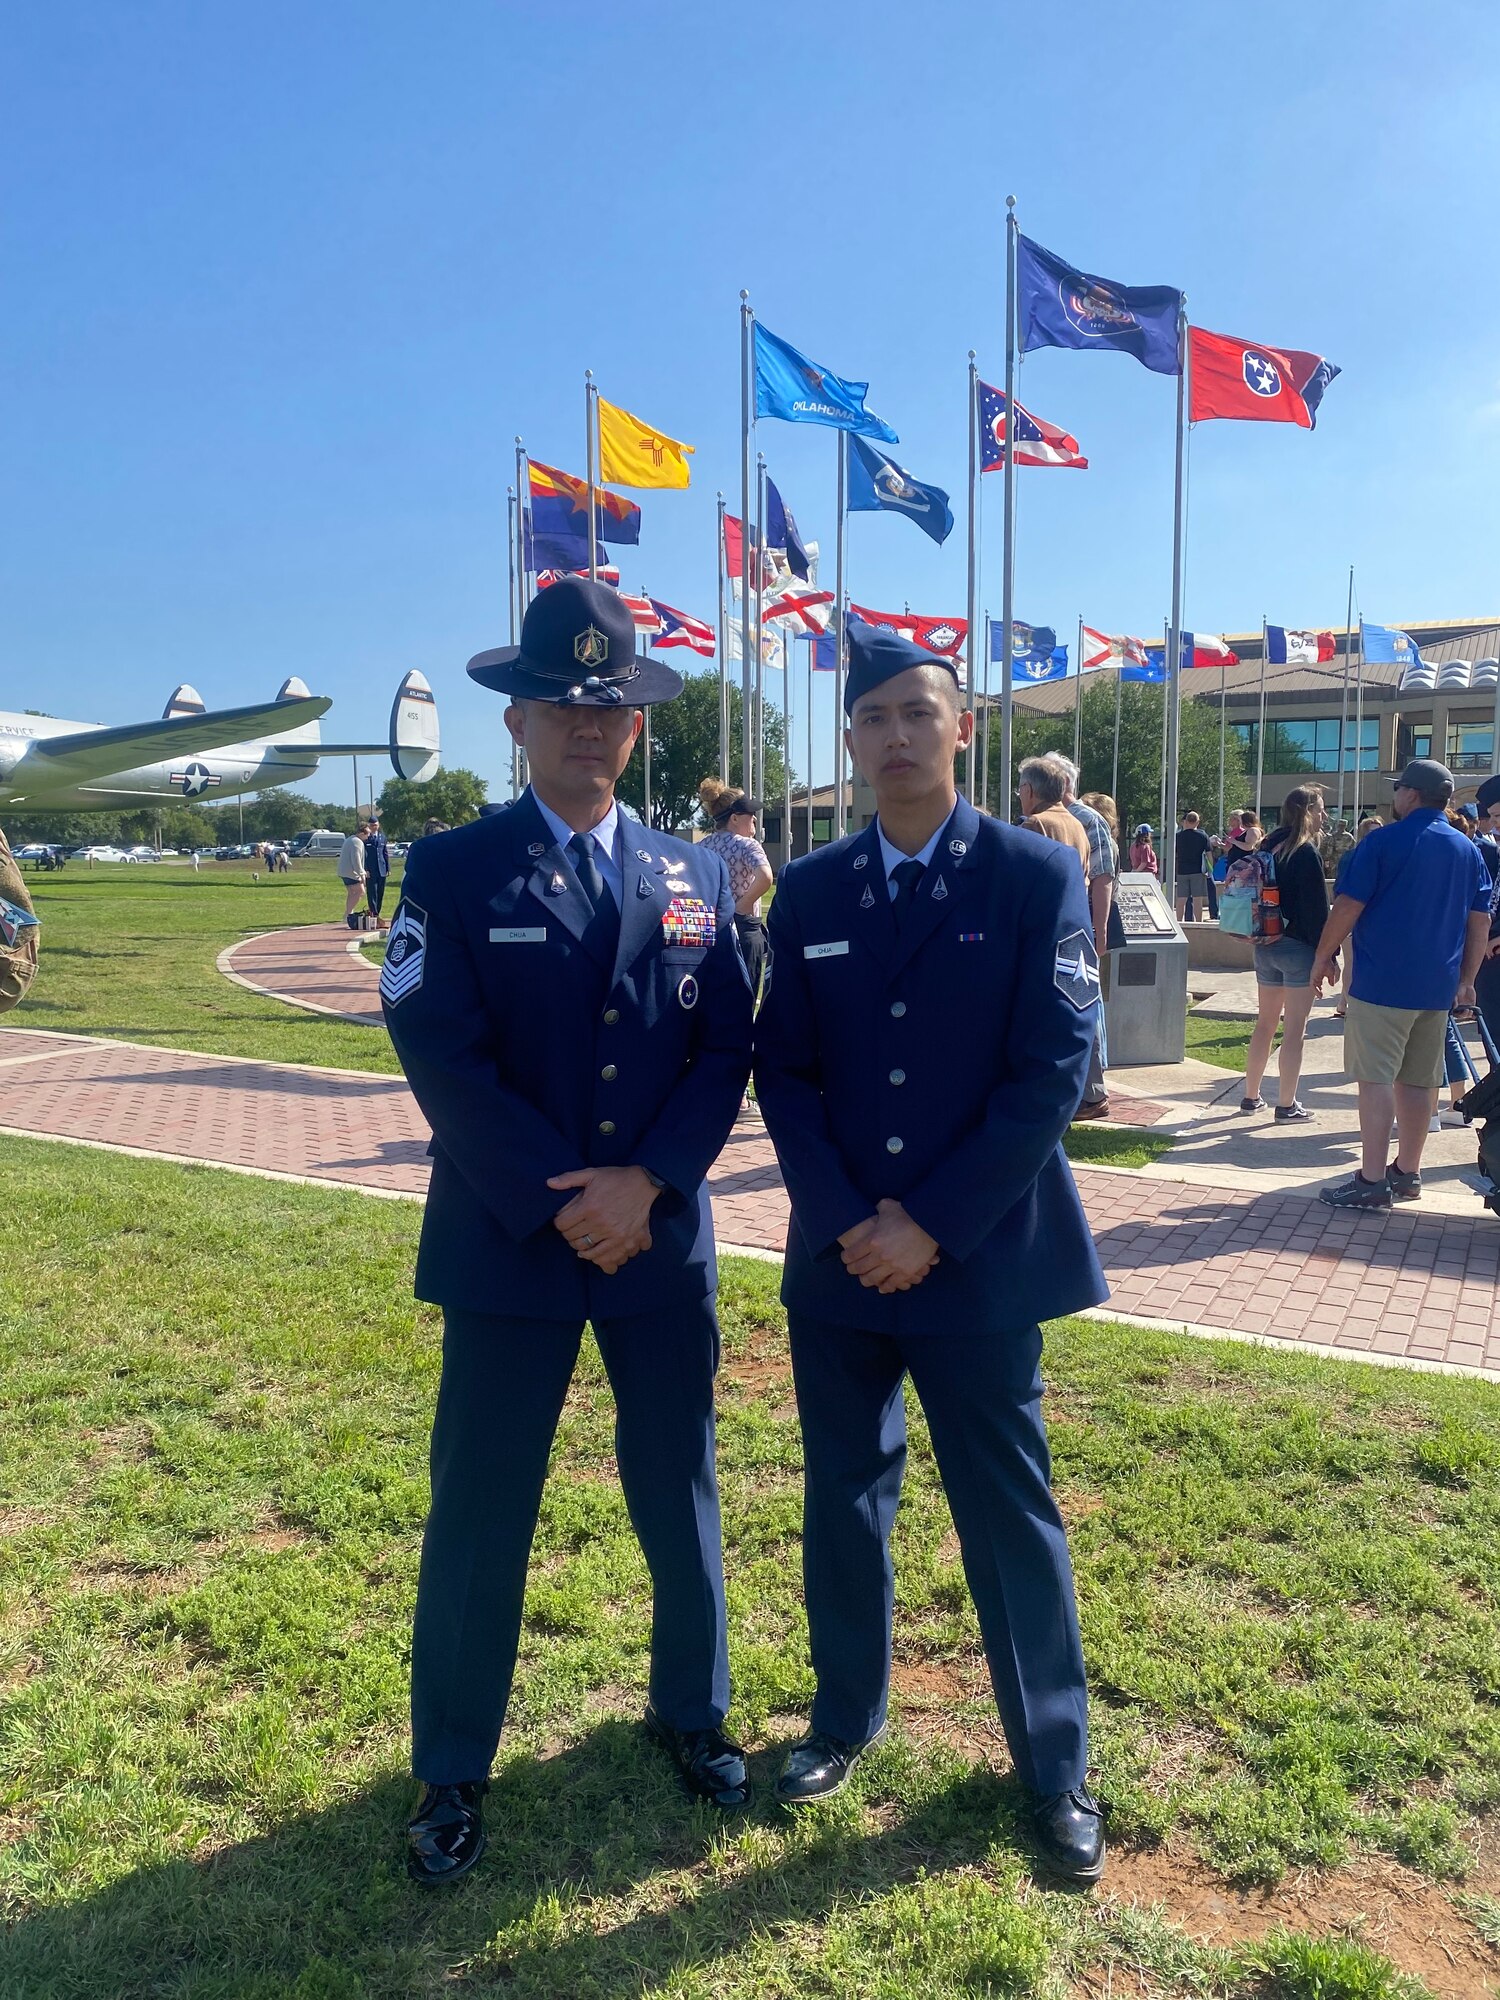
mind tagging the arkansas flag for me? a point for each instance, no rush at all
(1267, 385)
(943, 636)
(1298, 649)
(677, 629)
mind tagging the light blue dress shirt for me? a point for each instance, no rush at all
(605, 837)
(892, 857)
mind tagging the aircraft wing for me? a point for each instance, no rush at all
(89, 754)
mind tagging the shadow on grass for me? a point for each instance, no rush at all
(321, 1906)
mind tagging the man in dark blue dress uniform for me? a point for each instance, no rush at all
(568, 1001)
(922, 1048)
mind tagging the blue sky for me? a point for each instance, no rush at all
(282, 283)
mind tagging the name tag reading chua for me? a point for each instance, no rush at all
(537, 936)
(839, 950)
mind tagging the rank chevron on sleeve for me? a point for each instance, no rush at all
(405, 952)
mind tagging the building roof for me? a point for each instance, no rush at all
(1440, 642)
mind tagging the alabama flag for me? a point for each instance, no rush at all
(1298, 649)
(1254, 383)
(1103, 649)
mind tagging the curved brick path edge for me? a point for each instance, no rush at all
(317, 967)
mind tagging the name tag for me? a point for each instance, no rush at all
(840, 950)
(537, 936)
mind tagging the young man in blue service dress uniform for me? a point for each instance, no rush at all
(568, 1001)
(919, 1055)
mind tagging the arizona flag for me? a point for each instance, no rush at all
(1037, 442)
(677, 629)
(1298, 649)
(1255, 384)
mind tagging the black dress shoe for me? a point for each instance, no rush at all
(1070, 1834)
(713, 1766)
(819, 1766)
(445, 1836)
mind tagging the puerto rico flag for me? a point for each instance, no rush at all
(1298, 649)
(677, 629)
(1037, 442)
(943, 636)
(1254, 383)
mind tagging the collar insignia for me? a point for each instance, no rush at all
(867, 900)
(940, 890)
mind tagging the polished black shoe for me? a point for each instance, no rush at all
(713, 1766)
(445, 1836)
(1070, 1834)
(819, 1766)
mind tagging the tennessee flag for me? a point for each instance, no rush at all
(633, 454)
(1255, 384)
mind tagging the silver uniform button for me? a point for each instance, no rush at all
(609, 1073)
(898, 1008)
(611, 1015)
(898, 1076)
(894, 1145)
(607, 1127)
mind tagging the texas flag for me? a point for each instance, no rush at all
(1206, 649)
(1037, 442)
(1254, 383)
(677, 629)
(1298, 649)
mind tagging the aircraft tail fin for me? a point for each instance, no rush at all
(412, 743)
(185, 700)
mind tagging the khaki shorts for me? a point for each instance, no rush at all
(1394, 1044)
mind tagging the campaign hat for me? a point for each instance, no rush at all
(1488, 795)
(877, 654)
(577, 648)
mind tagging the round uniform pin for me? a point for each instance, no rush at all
(958, 847)
(687, 992)
(860, 860)
(641, 854)
(535, 849)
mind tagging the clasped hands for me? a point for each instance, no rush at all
(606, 1222)
(888, 1252)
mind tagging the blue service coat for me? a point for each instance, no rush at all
(532, 1052)
(940, 1067)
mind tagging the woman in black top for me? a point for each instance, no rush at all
(1283, 967)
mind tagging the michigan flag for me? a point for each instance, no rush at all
(632, 454)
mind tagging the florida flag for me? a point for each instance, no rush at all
(1298, 649)
(1103, 649)
(1037, 443)
(1254, 383)
(677, 629)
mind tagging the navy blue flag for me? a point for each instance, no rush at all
(825, 654)
(1034, 652)
(554, 551)
(789, 386)
(877, 485)
(1063, 307)
(782, 531)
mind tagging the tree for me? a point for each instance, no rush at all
(685, 751)
(453, 796)
(1139, 795)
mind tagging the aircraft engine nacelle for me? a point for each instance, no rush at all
(414, 730)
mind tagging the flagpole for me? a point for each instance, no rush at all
(1114, 773)
(723, 638)
(1223, 671)
(1078, 701)
(984, 748)
(747, 321)
(812, 647)
(510, 606)
(786, 750)
(588, 445)
(643, 640)
(1166, 705)
(758, 773)
(1008, 490)
(973, 597)
(1359, 721)
(838, 628)
(1174, 649)
(520, 774)
(1344, 708)
(1260, 727)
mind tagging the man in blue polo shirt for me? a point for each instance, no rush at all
(1416, 896)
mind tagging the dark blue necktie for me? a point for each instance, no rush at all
(907, 876)
(586, 868)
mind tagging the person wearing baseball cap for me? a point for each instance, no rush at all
(1415, 896)
(1487, 979)
(568, 1000)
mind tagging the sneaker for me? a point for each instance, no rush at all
(1252, 1104)
(1405, 1187)
(1357, 1192)
(1292, 1114)
(1451, 1119)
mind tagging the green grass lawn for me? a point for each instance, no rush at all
(214, 1400)
(1221, 1039)
(130, 951)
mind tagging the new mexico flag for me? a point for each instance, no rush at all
(633, 454)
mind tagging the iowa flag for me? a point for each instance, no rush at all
(632, 454)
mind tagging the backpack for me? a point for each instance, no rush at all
(1250, 901)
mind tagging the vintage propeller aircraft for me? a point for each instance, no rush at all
(193, 752)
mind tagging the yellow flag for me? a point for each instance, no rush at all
(632, 454)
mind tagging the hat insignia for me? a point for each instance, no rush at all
(591, 647)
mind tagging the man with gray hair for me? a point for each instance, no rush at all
(1104, 866)
(1041, 783)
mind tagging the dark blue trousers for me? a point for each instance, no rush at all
(982, 1399)
(501, 1394)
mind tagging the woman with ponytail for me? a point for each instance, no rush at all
(732, 816)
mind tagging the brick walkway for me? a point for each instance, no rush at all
(1404, 1285)
(311, 967)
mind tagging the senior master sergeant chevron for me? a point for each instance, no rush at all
(568, 1001)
